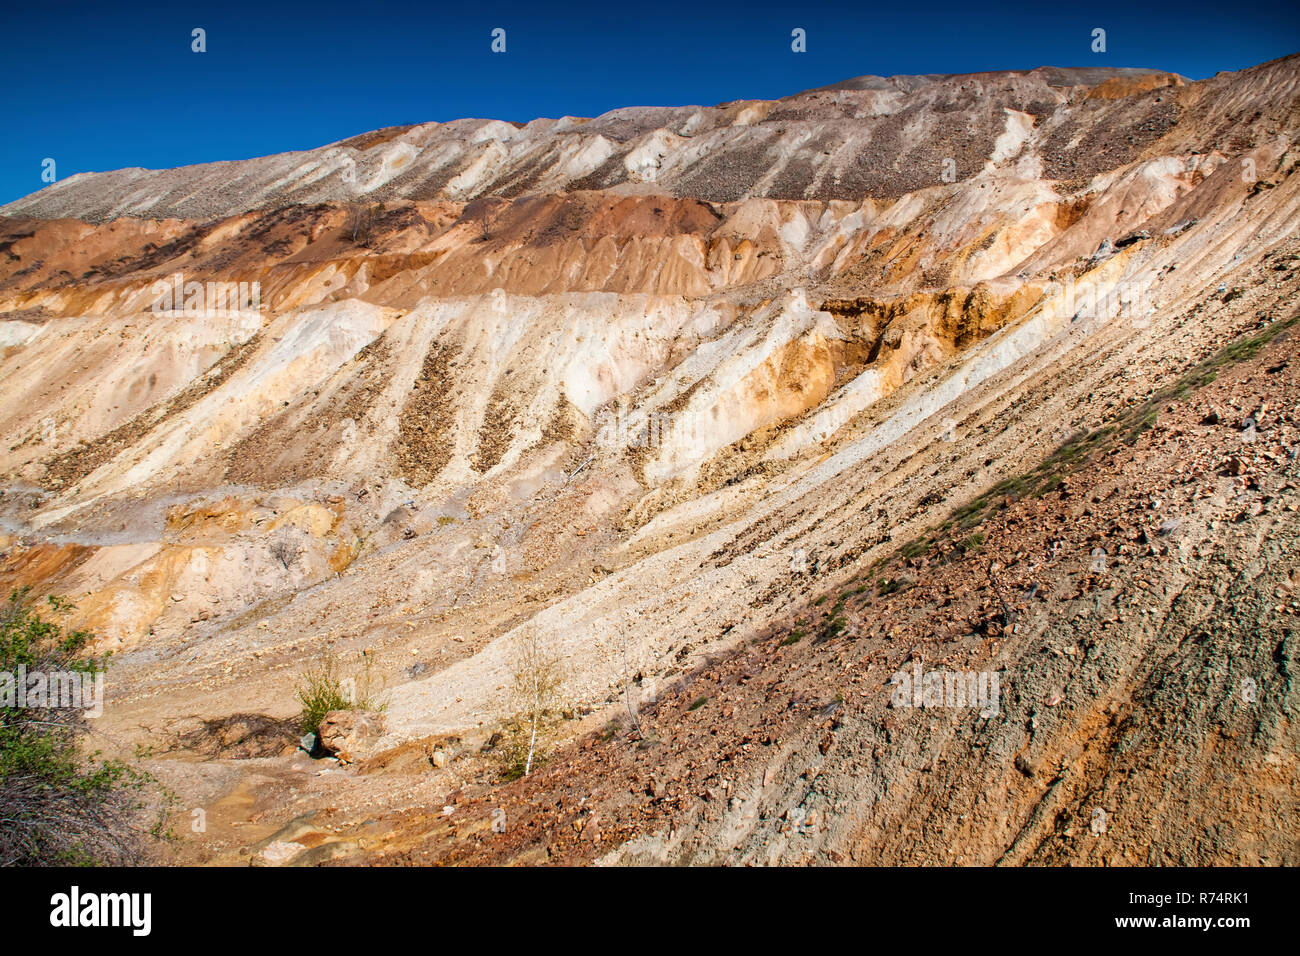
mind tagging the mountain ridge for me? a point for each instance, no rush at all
(734, 150)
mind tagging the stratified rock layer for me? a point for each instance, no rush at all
(641, 387)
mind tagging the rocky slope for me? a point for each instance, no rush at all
(643, 388)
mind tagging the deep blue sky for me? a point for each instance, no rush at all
(105, 85)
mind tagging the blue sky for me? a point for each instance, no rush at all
(105, 85)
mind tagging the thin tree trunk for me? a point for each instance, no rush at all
(627, 687)
(532, 743)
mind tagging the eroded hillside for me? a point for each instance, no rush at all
(642, 389)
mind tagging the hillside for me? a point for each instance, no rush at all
(739, 410)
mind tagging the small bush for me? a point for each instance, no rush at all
(323, 688)
(537, 677)
(835, 627)
(916, 547)
(59, 806)
(285, 550)
(516, 746)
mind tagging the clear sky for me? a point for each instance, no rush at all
(106, 85)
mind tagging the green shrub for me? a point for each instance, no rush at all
(58, 805)
(835, 627)
(323, 688)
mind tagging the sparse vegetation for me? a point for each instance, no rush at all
(58, 804)
(1078, 450)
(285, 550)
(536, 678)
(914, 547)
(322, 688)
(361, 223)
(892, 585)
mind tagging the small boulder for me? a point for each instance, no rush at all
(1104, 251)
(278, 853)
(350, 734)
